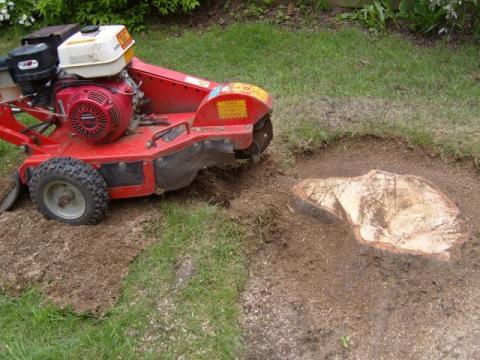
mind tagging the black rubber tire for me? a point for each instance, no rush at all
(263, 127)
(77, 173)
(260, 143)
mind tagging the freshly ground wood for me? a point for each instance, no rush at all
(390, 211)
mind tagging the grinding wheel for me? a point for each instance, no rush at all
(11, 190)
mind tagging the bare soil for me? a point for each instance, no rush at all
(312, 283)
(294, 14)
(81, 267)
(283, 12)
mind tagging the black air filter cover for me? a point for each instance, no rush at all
(53, 36)
(32, 63)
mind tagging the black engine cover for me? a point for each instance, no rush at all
(53, 36)
(32, 67)
(32, 63)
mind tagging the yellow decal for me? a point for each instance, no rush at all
(232, 109)
(251, 90)
(124, 38)
(128, 56)
(80, 41)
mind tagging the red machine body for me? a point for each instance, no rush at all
(99, 113)
(193, 123)
(112, 126)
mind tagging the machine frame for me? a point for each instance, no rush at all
(193, 123)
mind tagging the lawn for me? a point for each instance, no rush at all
(371, 85)
(427, 94)
(155, 315)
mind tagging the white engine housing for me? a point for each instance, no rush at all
(104, 52)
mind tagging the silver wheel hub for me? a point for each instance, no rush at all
(64, 200)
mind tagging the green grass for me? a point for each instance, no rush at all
(154, 316)
(431, 90)
(344, 63)
(326, 84)
(9, 154)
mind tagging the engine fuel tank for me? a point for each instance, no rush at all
(97, 51)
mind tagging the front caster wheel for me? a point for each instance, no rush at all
(69, 190)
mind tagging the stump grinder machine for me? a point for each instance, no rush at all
(111, 126)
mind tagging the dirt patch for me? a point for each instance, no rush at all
(78, 266)
(283, 12)
(312, 283)
(296, 14)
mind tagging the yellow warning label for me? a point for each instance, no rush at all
(251, 90)
(128, 56)
(124, 38)
(232, 109)
(80, 41)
